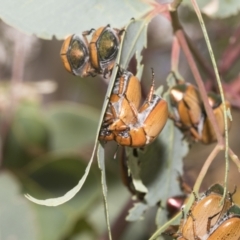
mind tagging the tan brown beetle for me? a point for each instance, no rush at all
(228, 227)
(188, 108)
(140, 127)
(123, 105)
(103, 48)
(151, 119)
(204, 214)
(75, 55)
(83, 59)
(208, 134)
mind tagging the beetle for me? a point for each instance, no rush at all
(228, 227)
(204, 213)
(123, 104)
(139, 130)
(208, 133)
(124, 101)
(152, 117)
(75, 56)
(187, 108)
(103, 48)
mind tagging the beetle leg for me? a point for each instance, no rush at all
(194, 226)
(231, 194)
(105, 72)
(209, 221)
(120, 31)
(120, 128)
(151, 91)
(88, 32)
(195, 134)
(133, 108)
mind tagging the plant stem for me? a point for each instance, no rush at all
(175, 55)
(120, 223)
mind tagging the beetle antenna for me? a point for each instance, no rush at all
(150, 95)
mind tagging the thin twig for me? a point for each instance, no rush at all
(175, 55)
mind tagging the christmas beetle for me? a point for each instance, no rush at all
(75, 55)
(204, 214)
(123, 104)
(131, 127)
(103, 48)
(187, 108)
(152, 117)
(228, 227)
(208, 133)
(124, 101)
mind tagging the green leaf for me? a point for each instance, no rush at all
(217, 8)
(16, 215)
(46, 18)
(72, 126)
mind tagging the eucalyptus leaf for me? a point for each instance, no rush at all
(217, 8)
(46, 18)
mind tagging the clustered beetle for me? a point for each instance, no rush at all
(97, 56)
(124, 121)
(208, 134)
(228, 227)
(208, 219)
(189, 113)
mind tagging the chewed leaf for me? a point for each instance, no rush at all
(53, 202)
(46, 18)
(136, 212)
